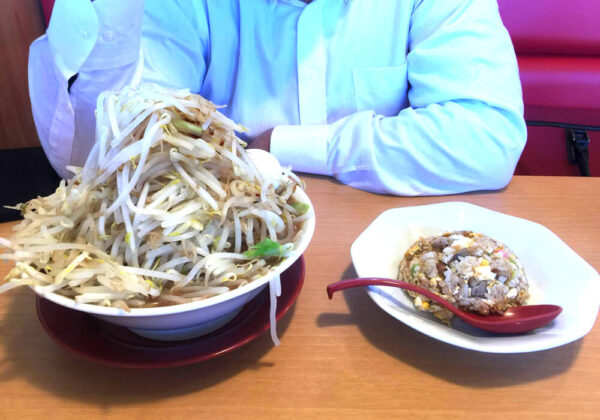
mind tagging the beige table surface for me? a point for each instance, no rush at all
(344, 358)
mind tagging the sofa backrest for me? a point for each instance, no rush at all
(553, 27)
(558, 49)
(47, 6)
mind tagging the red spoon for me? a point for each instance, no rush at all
(514, 321)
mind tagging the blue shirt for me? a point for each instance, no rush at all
(408, 97)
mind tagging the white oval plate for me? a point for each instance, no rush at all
(557, 275)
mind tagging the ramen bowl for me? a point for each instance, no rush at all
(188, 320)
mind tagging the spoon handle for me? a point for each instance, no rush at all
(375, 281)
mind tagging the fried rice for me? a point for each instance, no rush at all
(470, 270)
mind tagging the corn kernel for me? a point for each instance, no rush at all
(424, 306)
(485, 262)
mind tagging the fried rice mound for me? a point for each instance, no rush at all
(470, 270)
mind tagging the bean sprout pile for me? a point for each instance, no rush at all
(167, 209)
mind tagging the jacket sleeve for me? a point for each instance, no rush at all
(95, 46)
(464, 129)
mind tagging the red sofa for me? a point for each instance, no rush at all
(558, 49)
(47, 9)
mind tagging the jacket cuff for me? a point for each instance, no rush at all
(304, 148)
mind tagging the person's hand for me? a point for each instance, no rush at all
(262, 141)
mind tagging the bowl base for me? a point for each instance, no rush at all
(188, 332)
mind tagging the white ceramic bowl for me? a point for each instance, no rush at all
(557, 275)
(189, 320)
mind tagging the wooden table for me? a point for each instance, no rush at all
(344, 358)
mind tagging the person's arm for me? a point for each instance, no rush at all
(464, 130)
(94, 46)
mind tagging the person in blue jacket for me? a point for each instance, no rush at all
(407, 97)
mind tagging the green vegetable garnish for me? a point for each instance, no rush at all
(187, 127)
(413, 269)
(265, 248)
(301, 208)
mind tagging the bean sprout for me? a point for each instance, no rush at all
(167, 209)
